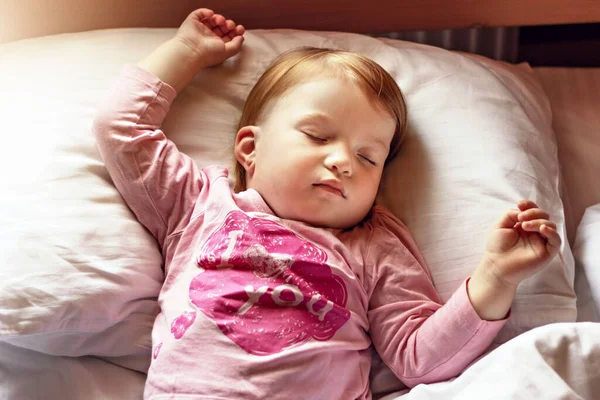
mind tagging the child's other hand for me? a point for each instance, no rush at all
(521, 244)
(210, 36)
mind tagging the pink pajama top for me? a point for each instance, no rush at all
(254, 306)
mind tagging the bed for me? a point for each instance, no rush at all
(80, 276)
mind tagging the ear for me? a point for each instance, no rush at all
(245, 147)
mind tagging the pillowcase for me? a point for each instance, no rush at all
(81, 276)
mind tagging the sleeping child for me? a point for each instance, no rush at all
(277, 288)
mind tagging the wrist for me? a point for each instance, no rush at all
(490, 295)
(488, 272)
(174, 63)
(191, 52)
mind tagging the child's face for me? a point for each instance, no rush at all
(318, 156)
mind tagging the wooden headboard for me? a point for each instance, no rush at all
(22, 19)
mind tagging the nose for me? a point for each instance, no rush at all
(339, 159)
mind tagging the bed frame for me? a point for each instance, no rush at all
(23, 19)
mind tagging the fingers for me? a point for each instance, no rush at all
(526, 204)
(533, 213)
(527, 210)
(230, 28)
(546, 229)
(536, 225)
(218, 24)
(528, 215)
(234, 46)
(238, 30)
(224, 28)
(227, 28)
(203, 13)
(531, 218)
(551, 236)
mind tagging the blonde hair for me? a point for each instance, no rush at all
(302, 64)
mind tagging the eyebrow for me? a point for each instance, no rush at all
(319, 117)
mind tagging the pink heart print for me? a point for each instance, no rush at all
(181, 324)
(266, 288)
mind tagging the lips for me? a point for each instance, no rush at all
(332, 186)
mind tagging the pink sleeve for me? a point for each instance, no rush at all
(157, 182)
(418, 338)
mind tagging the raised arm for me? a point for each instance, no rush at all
(204, 39)
(159, 183)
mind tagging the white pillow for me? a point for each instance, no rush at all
(81, 276)
(480, 139)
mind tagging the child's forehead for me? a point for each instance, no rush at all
(318, 86)
(314, 89)
(322, 93)
(314, 85)
(290, 103)
(300, 91)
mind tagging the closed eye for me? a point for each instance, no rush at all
(368, 160)
(315, 138)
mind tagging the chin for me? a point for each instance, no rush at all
(320, 218)
(332, 223)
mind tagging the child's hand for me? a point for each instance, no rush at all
(204, 39)
(522, 244)
(210, 36)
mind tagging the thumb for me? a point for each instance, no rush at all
(233, 47)
(508, 220)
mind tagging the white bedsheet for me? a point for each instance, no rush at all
(557, 361)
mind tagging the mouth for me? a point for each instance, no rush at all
(331, 189)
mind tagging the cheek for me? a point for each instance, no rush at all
(297, 157)
(284, 145)
(371, 184)
(287, 169)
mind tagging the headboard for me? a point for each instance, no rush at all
(22, 19)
